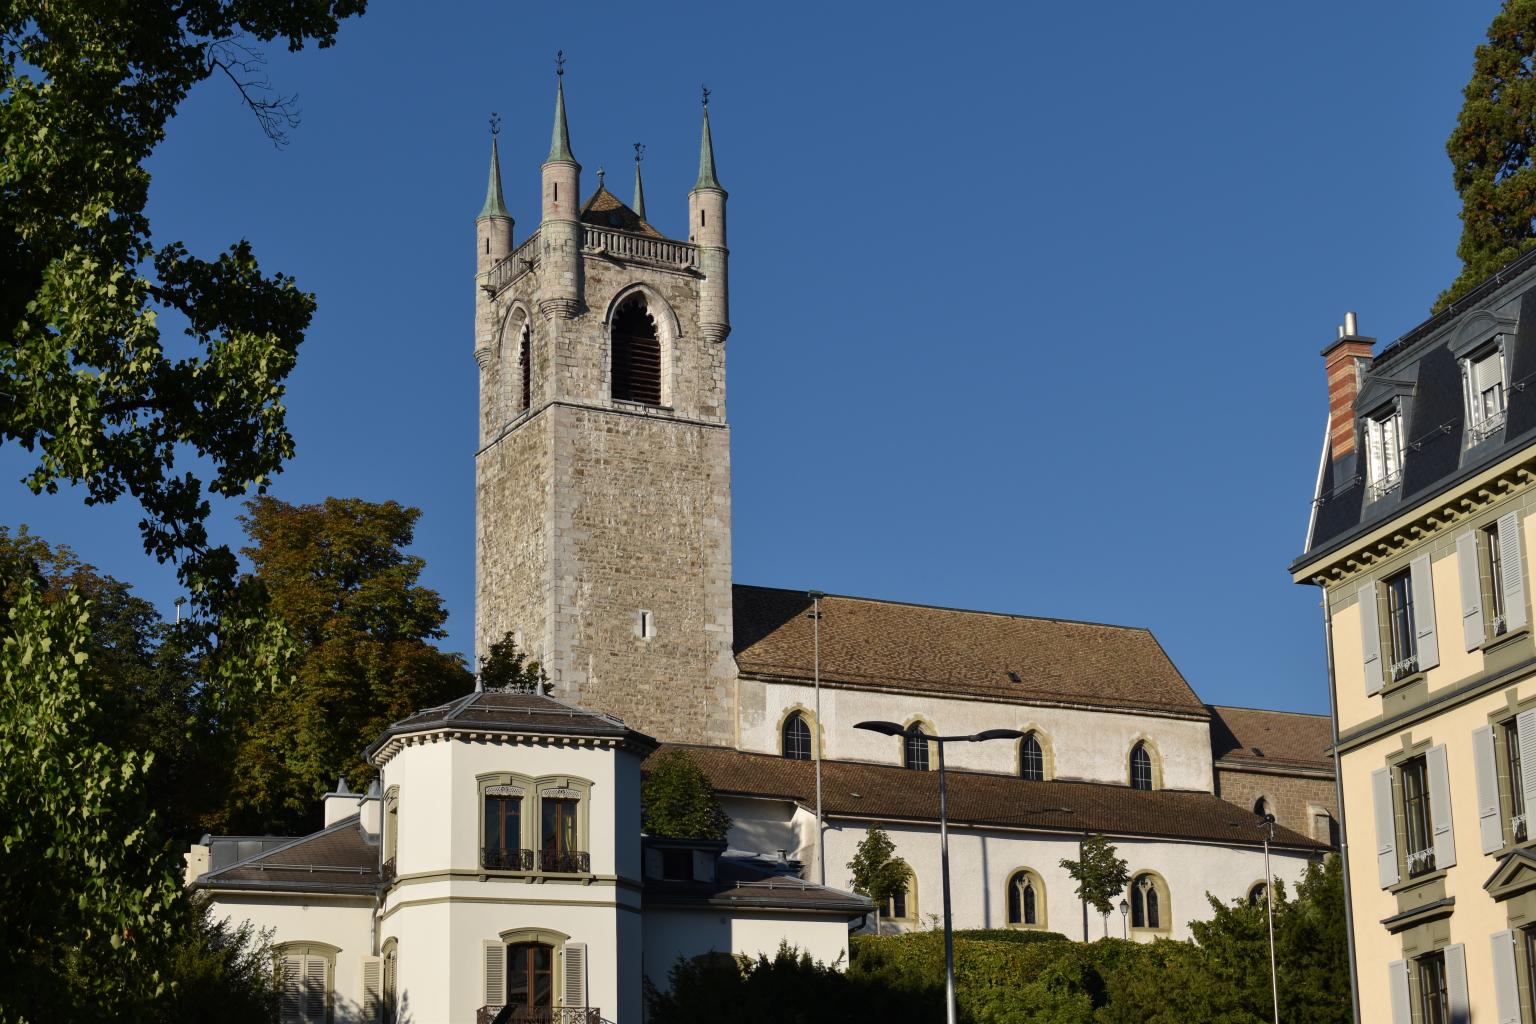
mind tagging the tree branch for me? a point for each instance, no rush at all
(244, 66)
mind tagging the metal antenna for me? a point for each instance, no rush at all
(639, 151)
(495, 124)
(706, 94)
(559, 63)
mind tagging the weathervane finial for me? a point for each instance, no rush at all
(706, 94)
(600, 173)
(495, 124)
(559, 63)
(639, 151)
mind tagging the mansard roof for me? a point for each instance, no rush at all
(1251, 737)
(338, 859)
(606, 210)
(946, 652)
(856, 789)
(515, 713)
(1422, 369)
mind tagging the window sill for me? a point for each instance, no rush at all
(1390, 687)
(1410, 884)
(1493, 643)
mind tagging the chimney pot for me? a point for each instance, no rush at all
(1351, 325)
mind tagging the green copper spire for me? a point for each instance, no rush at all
(707, 177)
(560, 140)
(639, 204)
(495, 205)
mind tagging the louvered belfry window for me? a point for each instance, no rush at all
(525, 360)
(636, 354)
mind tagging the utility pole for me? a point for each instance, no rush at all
(1268, 824)
(821, 829)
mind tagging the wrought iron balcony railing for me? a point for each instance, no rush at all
(1485, 428)
(513, 1013)
(567, 861)
(1420, 862)
(506, 860)
(387, 871)
(1517, 827)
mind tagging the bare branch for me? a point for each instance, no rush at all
(246, 68)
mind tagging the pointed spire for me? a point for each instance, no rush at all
(707, 177)
(560, 139)
(495, 205)
(639, 204)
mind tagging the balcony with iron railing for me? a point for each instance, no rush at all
(387, 871)
(1517, 827)
(1485, 428)
(1388, 483)
(1421, 862)
(498, 859)
(570, 862)
(513, 1013)
(1405, 667)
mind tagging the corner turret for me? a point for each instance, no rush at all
(560, 227)
(493, 225)
(706, 229)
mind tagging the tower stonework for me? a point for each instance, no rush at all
(603, 507)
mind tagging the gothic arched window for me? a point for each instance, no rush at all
(795, 738)
(1141, 767)
(914, 749)
(1261, 807)
(1147, 901)
(1031, 759)
(1026, 899)
(636, 354)
(525, 362)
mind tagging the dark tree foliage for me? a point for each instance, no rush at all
(1491, 149)
(505, 667)
(677, 801)
(219, 972)
(347, 592)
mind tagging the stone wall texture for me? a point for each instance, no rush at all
(1291, 798)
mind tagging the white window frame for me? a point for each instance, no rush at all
(1384, 446)
(1481, 422)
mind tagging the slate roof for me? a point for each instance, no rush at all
(513, 712)
(739, 885)
(1422, 366)
(887, 645)
(890, 793)
(337, 859)
(606, 210)
(1283, 739)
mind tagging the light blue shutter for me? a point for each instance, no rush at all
(1467, 569)
(1456, 984)
(1440, 807)
(1488, 822)
(1427, 644)
(1386, 826)
(1506, 989)
(1370, 637)
(1512, 570)
(1397, 984)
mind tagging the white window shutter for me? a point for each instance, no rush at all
(1397, 984)
(1427, 641)
(291, 1006)
(1440, 807)
(373, 988)
(495, 974)
(1506, 987)
(1525, 726)
(1370, 637)
(1456, 984)
(1489, 824)
(316, 990)
(1467, 569)
(1513, 571)
(574, 968)
(1386, 826)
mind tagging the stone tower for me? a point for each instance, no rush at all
(603, 507)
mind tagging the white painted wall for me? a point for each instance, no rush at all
(1086, 745)
(671, 933)
(343, 923)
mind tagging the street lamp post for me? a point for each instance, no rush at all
(1268, 824)
(1125, 910)
(893, 729)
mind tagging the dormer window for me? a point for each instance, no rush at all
(1384, 450)
(1483, 376)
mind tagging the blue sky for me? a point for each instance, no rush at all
(1027, 299)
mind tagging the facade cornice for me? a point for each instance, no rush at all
(520, 737)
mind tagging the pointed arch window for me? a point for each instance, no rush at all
(1026, 899)
(914, 749)
(1261, 807)
(636, 354)
(1141, 767)
(1031, 758)
(525, 363)
(795, 738)
(1148, 902)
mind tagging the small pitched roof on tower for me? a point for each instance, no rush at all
(606, 210)
(495, 205)
(707, 177)
(560, 138)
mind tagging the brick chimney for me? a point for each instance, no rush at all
(1345, 361)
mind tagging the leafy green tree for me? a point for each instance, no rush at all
(1491, 150)
(505, 667)
(1100, 873)
(219, 971)
(877, 872)
(677, 801)
(347, 592)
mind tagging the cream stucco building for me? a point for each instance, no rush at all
(1420, 542)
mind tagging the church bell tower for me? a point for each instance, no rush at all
(602, 475)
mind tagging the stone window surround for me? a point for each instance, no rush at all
(911, 914)
(310, 947)
(924, 723)
(1153, 754)
(1395, 761)
(1520, 916)
(1260, 886)
(1498, 719)
(1479, 527)
(668, 334)
(390, 824)
(1034, 878)
(517, 319)
(533, 792)
(1164, 903)
(817, 737)
(1047, 752)
(548, 936)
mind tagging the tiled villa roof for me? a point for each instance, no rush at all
(739, 886)
(890, 793)
(337, 859)
(1282, 739)
(945, 652)
(495, 711)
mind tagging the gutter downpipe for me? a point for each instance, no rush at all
(1338, 788)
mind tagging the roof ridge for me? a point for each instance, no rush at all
(957, 609)
(1268, 711)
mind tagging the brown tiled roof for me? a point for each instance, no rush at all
(889, 793)
(336, 859)
(739, 885)
(945, 652)
(1250, 736)
(512, 712)
(606, 210)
